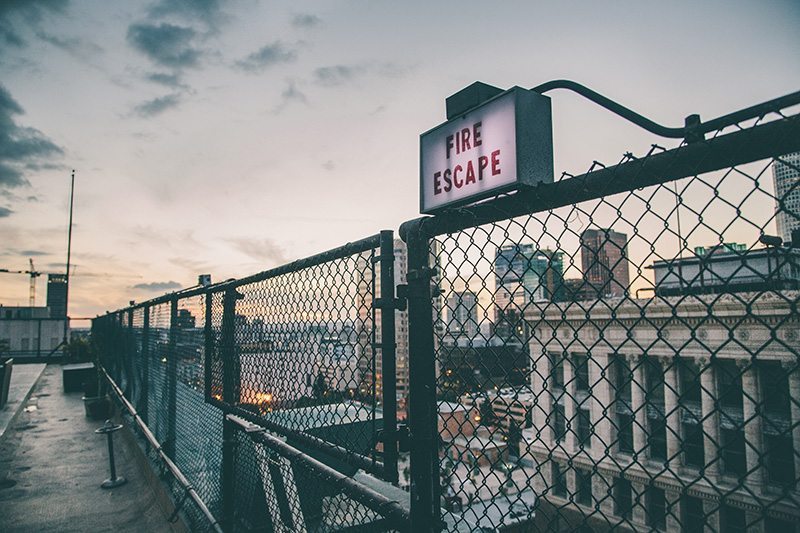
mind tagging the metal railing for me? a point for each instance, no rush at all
(617, 350)
(299, 351)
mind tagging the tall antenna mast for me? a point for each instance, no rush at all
(69, 255)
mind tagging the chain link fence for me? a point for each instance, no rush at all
(299, 351)
(617, 350)
(628, 361)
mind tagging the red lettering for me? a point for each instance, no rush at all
(476, 135)
(470, 173)
(483, 162)
(495, 162)
(447, 183)
(465, 140)
(437, 184)
(457, 182)
(449, 144)
(458, 142)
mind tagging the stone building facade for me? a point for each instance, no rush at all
(670, 412)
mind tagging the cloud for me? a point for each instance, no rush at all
(21, 148)
(208, 12)
(17, 17)
(263, 250)
(335, 75)
(156, 106)
(305, 20)
(158, 286)
(75, 46)
(266, 56)
(289, 95)
(329, 165)
(32, 253)
(165, 44)
(11, 177)
(5, 212)
(167, 79)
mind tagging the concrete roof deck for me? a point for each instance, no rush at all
(52, 464)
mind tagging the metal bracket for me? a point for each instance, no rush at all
(421, 273)
(396, 303)
(403, 438)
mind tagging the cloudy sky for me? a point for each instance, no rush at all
(228, 137)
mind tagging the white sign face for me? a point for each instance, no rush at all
(469, 156)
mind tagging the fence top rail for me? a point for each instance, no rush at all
(770, 139)
(351, 248)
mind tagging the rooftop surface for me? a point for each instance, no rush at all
(52, 464)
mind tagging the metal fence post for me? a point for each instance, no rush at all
(231, 382)
(425, 485)
(388, 349)
(208, 344)
(172, 378)
(144, 400)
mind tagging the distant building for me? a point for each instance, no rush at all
(29, 332)
(523, 274)
(57, 295)
(604, 258)
(364, 305)
(786, 177)
(729, 268)
(462, 321)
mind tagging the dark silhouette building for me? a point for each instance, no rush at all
(57, 295)
(604, 258)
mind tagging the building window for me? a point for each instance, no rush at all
(583, 487)
(656, 508)
(622, 404)
(559, 421)
(625, 433)
(732, 520)
(776, 525)
(584, 427)
(559, 481)
(778, 448)
(24, 343)
(654, 400)
(693, 442)
(733, 454)
(581, 367)
(623, 503)
(693, 517)
(779, 459)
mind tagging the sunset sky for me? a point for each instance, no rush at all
(229, 137)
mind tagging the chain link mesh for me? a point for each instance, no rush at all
(625, 363)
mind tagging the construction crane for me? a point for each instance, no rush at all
(33, 273)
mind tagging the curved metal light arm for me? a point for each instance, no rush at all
(693, 129)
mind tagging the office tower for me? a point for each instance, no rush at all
(786, 174)
(604, 258)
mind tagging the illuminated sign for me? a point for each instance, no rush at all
(502, 144)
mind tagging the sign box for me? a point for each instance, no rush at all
(502, 144)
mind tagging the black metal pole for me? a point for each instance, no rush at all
(144, 398)
(172, 380)
(425, 489)
(388, 354)
(231, 384)
(69, 257)
(111, 464)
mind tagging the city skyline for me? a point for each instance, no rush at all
(169, 142)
